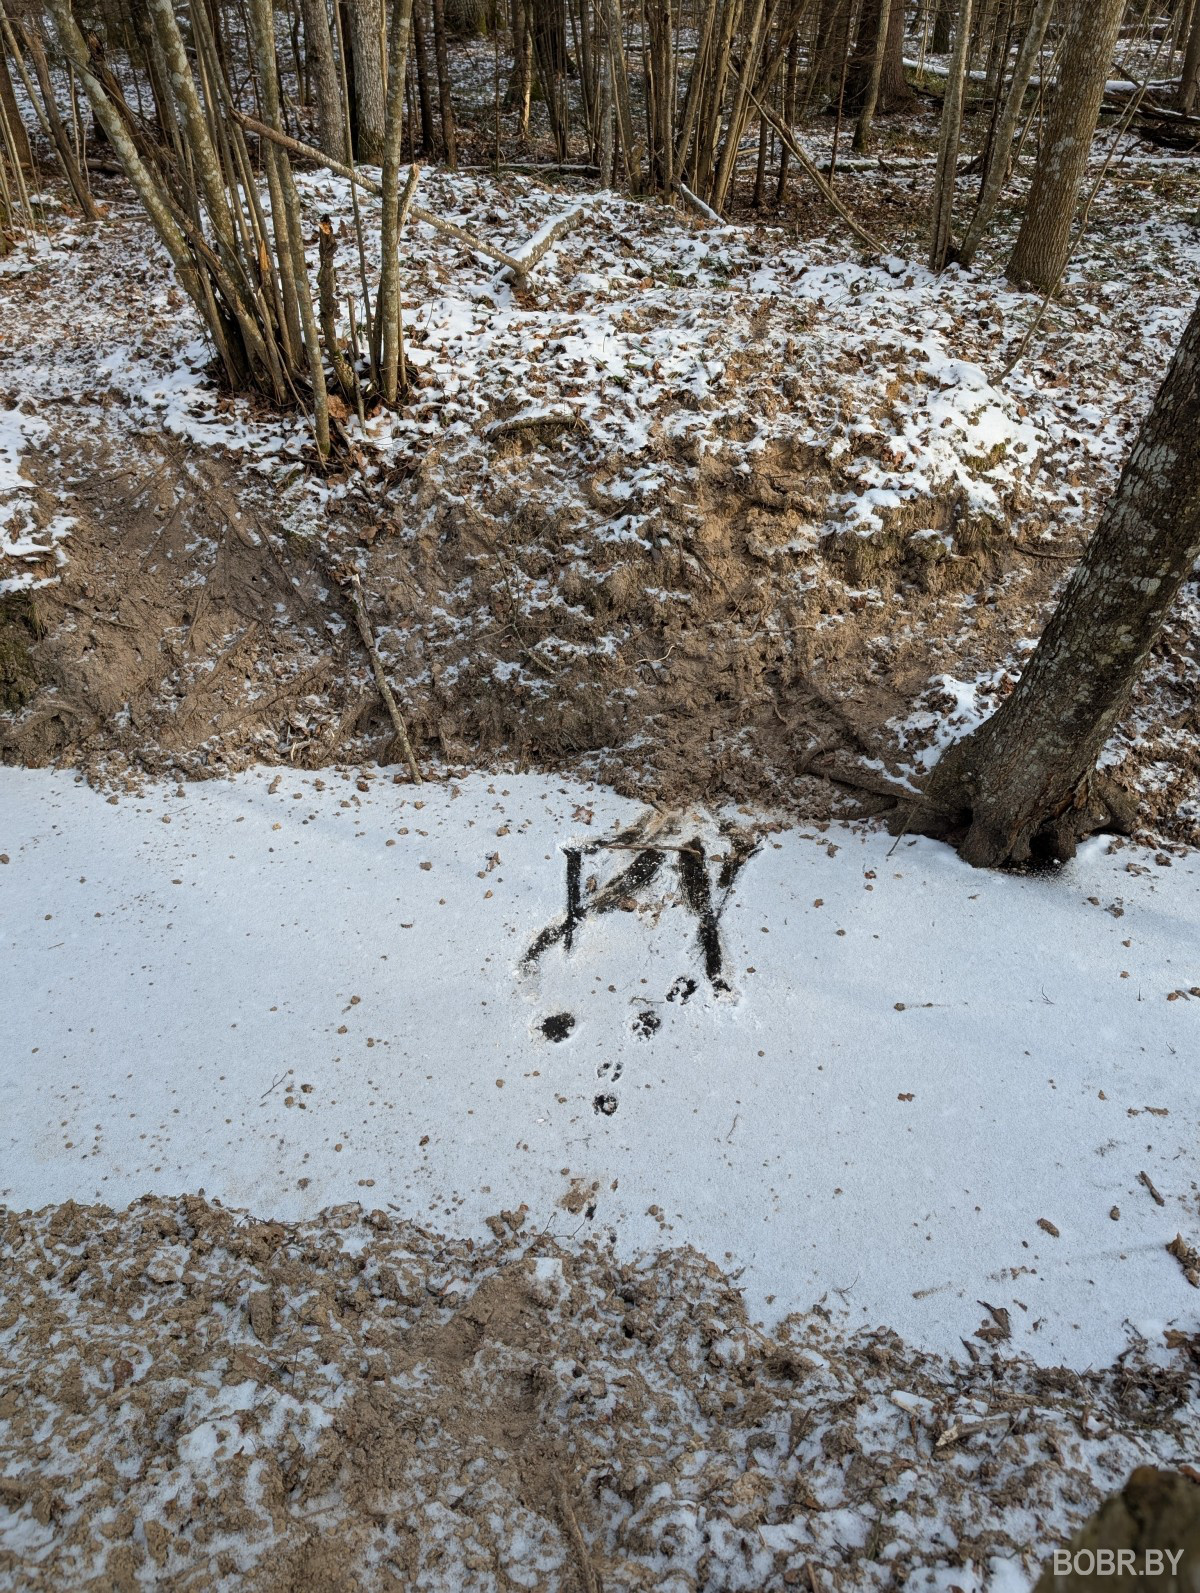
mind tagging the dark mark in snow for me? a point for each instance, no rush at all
(647, 1023)
(622, 891)
(693, 876)
(558, 1025)
(616, 893)
(604, 1104)
(682, 990)
(574, 896)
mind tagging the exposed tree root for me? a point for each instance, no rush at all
(978, 813)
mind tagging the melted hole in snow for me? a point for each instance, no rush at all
(558, 1025)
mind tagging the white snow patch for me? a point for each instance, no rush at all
(914, 1066)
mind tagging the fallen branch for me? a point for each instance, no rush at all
(548, 424)
(1144, 1178)
(699, 206)
(514, 263)
(544, 240)
(381, 680)
(809, 167)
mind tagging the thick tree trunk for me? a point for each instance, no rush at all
(1044, 241)
(885, 54)
(322, 71)
(942, 17)
(369, 98)
(862, 133)
(1024, 784)
(441, 56)
(895, 91)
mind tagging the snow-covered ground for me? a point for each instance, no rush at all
(859, 1072)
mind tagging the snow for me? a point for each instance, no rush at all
(292, 991)
(22, 541)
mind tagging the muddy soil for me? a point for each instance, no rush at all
(192, 633)
(195, 1397)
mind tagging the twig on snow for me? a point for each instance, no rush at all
(1144, 1178)
(381, 680)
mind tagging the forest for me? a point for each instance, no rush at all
(600, 795)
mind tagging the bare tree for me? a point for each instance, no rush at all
(948, 141)
(318, 54)
(10, 117)
(370, 98)
(1025, 783)
(1044, 241)
(999, 154)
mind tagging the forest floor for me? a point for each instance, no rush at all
(738, 517)
(721, 512)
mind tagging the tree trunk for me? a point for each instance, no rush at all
(369, 100)
(882, 52)
(862, 133)
(1189, 82)
(895, 91)
(387, 342)
(827, 51)
(421, 61)
(943, 12)
(58, 133)
(441, 57)
(1044, 241)
(1024, 784)
(948, 141)
(999, 156)
(318, 56)
(12, 116)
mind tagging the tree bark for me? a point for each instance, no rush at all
(1189, 81)
(195, 126)
(441, 56)
(58, 133)
(1044, 241)
(16, 127)
(318, 56)
(874, 48)
(74, 48)
(862, 133)
(1024, 784)
(895, 91)
(949, 137)
(369, 99)
(942, 16)
(999, 156)
(421, 62)
(387, 343)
